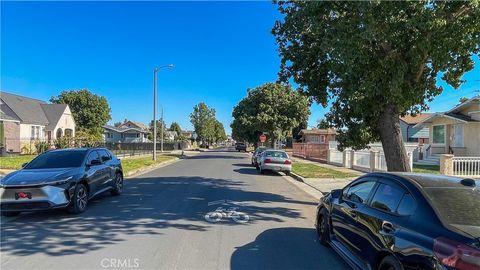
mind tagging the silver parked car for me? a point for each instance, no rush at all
(275, 160)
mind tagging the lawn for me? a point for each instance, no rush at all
(132, 164)
(435, 169)
(308, 170)
(15, 162)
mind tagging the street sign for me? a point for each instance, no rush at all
(263, 138)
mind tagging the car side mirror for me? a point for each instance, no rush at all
(24, 164)
(95, 162)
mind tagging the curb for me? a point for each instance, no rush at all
(150, 168)
(301, 179)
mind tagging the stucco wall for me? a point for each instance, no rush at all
(66, 122)
(471, 134)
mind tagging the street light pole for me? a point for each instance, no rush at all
(155, 114)
(161, 134)
(155, 70)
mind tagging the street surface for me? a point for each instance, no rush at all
(159, 223)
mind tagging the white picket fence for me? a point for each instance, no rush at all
(336, 157)
(363, 160)
(466, 166)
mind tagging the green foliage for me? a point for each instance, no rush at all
(85, 138)
(91, 112)
(203, 121)
(62, 142)
(176, 127)
(219, 132)
(272, 108)
(160, 125)
(323, 124)
(117, 124)
(375, 61)
(41, 146)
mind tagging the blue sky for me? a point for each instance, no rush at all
(219, 49)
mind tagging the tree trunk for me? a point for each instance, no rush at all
(392, 142)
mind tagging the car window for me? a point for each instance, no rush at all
(277, 154)
(407, 205)
(57, 159)
(104, 155)
(387, 197)
(359, 192)
(92, 156)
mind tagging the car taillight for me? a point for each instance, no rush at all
(268, 160)
(457, 255)
(287, 161)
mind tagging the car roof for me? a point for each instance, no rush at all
(78, 149)
(425, 180)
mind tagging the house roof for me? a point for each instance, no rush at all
(137, 124)
(53, 112)
(462, 105)
(122, 130)
(27, 109)
(30, 110)
(317, 131)
(411, 120)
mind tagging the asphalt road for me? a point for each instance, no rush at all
(159, 223)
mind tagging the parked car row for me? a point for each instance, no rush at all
(265, 159)
(63, 178)
(403, 221)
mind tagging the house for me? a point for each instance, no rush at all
(314, 143)
(187, 134)
(322, 136)
(412, 134)
(127, 132)
(24, 120)
(169, 135)
(456, 131)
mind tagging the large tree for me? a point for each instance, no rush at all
(91, 112)
(203, 121)
(271, 108)
(375, 61)
(219, 132)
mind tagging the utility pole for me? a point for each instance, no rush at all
(155, 70)
(161, 134)
(155, 114)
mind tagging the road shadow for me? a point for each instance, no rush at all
(286, 248)
(148, 206)
(215, 156)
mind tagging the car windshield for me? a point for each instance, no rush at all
(277, 154)
(57, 159)
(456, 205)
(260, 150)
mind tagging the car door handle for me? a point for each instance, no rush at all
(387, 228)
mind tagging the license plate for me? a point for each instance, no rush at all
(23, 195)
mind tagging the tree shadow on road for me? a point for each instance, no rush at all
(286, 248)
(148, 206)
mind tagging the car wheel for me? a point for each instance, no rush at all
(117, 185)
(79, 200)
(322, 227)
(10, 214)
(390, 263)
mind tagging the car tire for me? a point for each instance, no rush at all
(79, 200)
(10, 214)
(323, 227)
(390, 263)
(117, 185)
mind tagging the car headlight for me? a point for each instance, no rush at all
(59, 181)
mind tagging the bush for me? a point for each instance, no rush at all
(62, 142)
(87, 139)
(41, 146)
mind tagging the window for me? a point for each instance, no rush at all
(92, 156)
(322, 138)
(387, 198)
(359, 192)
(438, 134)
(104, 155)
(407, 205)
(57, 159)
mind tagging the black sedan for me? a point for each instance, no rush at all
(64, 178)
(391, 221)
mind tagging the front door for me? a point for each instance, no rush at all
(457, 135)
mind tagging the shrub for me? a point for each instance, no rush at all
(62, 142)
(41, 146)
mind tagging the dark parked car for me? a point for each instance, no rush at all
(404, 221)
(240, 146)
(65, 178)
